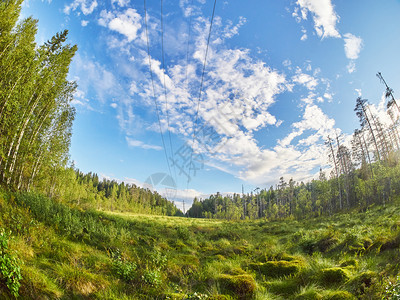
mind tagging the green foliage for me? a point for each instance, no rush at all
(286, 288)
(196, 296)
(126, 270)
(152, 277)
(393, 290)
(9, 266)
(75, 253)
(280, 268)
(362, 282)
(309, 293)
(243, 286)
(333, 276)
(338, 295)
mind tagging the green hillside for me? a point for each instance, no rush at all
(52, 251)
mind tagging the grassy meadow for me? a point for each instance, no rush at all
(53, 251)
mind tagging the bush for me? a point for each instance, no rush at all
(125, 270)
(152, 277)
(278, 268)
(332, 276)
(9, 266)
(243, 286)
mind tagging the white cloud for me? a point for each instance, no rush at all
(94, 77)
(328, 96)
(135, 143)
(324, 16)
(238, 92)
(84, 23)
(231, 30)
(307, 80)
(121, 3)
(352, 45)
(86, 6)
(304, 36)
(351, 66)
(127, 23)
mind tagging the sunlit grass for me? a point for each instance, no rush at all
(70, 253)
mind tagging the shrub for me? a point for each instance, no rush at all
(9, 266)
(125, 270)
(183, 232)
(152, 277)
(278, 268)
(332, 276)
(243, 286)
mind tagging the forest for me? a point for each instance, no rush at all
(36, 119)
(365, 175)
(65, 234)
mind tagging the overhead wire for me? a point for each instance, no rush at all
(187, 45)
(165, 90)
(153, 87)
(201, 87)
(186, 75)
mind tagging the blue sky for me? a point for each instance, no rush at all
(280, 76)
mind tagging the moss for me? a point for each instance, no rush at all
(326, 243)
(338, 295)
(243, 286)
(278, 268)
(332, 276)
(349, 263)
(393, 243)
(361, 282)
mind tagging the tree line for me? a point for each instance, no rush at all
(35, 101)
(36, 117)
(365, 171)
(88, 191)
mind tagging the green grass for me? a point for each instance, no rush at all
(67, 253)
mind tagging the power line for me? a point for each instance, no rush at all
(201, 85)
(187, 45)
(165, 88)
(154, 91)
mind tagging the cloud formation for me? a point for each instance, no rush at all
(135, 143)
(86, 6)
(325, 20)
(352, 45)
(236, 100)
(323, 14)
(126, 23)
